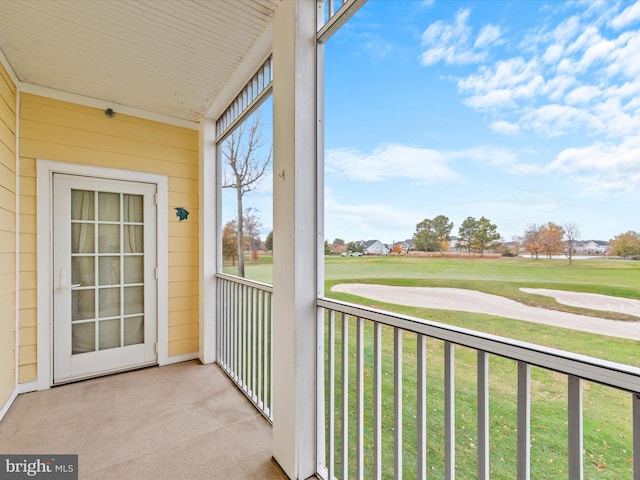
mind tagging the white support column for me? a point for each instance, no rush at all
(208, 242)
(294, 237)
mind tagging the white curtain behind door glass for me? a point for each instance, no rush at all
(83, 270)
(83, 230)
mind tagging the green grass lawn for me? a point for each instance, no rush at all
(607, 412)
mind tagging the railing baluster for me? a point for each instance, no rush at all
(360, 395)
(259, 341)
(332, 393)
(421, 403)
(483, 415)
(345, 397)
(524, 421)
(578, 368)
(449, 412)
(245, 338)
(377, 401)
(321, 394)
(575, 437)
(254, 362)
(225, 324)
(635, 401)
(234, 335)
(270, 353)
(243, 326)
(397, 403)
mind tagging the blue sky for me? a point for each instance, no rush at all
(524, 112)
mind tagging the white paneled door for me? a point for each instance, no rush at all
(104, 264)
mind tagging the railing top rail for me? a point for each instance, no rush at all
(624, 377)
(245, 281)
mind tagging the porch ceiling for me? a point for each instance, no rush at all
(170, 57)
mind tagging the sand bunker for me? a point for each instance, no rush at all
(478, 302)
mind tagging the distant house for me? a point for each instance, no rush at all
(375, 247)
(592, 247)
(454, 243)
(401, 247)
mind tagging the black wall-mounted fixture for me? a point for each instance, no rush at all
(110, 113)
(182, 213)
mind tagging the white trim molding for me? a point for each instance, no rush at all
(7, 405)
(104, 104)
(208, 242)
(44, 184)
(27, 387)
(183, 357)
(7, 66)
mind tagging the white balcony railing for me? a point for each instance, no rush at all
(366, 407)
(244, 338)
(377, 372)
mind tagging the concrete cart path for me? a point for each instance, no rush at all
(478, 302)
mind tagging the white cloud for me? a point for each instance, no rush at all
(553, 53)
(509, 73)
(602, 166)
(582, 95)
(366, 221)
(505, 128)
(386, 162)
(625, 56)
(575, 76)
(556, 87)
(492, 99)
(451, 42)
(628, 16)
(487, 155)
(554, 120)
(488, 36)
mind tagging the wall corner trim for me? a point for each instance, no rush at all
(7, 405)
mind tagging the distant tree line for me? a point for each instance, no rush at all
(626, 245)
(551, 239)
(250, 237)
(474, 235)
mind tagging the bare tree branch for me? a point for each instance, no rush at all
(240, 152)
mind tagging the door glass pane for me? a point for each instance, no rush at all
(82, 238)
(134, 269)
(109, 270)
(83, 271)
(83, 337)
(82, 205)
(109, 305)
(83, 304)
(133, 236)
(133, 330)
(133, 300)
(108, 207)
(109, 334)
(109, 238)
(132, 208)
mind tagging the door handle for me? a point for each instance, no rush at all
(62, 282)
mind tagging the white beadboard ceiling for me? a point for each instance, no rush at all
(169, 57)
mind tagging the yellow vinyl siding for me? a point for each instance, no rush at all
(8, 254)
(55, 130)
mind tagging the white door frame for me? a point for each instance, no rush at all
(45, 281)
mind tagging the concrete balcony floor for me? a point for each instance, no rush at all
(183, 421)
